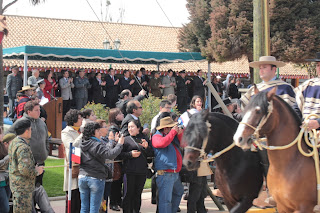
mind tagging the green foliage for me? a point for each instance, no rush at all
(99, 110)
(150, 109)
(223, 29)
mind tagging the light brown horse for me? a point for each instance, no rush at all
(291, 177)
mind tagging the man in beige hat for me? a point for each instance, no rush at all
(168, 163)
(22, 100)
(267, 69)
(308, 97)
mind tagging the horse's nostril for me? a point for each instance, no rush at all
(189, 163)
(240, 139)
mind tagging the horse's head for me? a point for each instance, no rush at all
(194, 134)
(253, 114)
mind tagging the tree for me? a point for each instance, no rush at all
(194, 36)
(2, 85)
(294, 28)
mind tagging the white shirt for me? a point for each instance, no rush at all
(154, 121)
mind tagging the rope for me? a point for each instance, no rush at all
(313, 136)
(203, 155)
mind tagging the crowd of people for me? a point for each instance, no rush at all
(116, 155)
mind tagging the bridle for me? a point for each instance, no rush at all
(256, 135)
(203, 157)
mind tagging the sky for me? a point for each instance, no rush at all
(145, 12)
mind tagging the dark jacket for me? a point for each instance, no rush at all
(133, 165)
(122, 104)
(81, 86)
(97, 91)
(182, 88)
(125, 84)
(93, 156)
(198, 87)
(13, 85)
(136, 86)
(155, 89)
(112, 91)
(233, 91)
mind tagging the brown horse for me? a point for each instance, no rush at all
(291, 176)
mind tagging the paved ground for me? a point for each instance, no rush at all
(147, 207)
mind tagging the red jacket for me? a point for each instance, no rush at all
(48, 88)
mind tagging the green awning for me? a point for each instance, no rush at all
(98, 55)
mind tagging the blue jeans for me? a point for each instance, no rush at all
(170, 191)
(4, 199)
(91, 192)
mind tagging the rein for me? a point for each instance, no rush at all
(203, 155)
(313, 137)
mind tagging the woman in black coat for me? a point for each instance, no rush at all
(97, 89)
(136, 150)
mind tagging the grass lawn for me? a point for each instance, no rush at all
(53, 178)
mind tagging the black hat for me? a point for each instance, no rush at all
(317, 59)
(182, 71)
(226, 102)
(22, 124)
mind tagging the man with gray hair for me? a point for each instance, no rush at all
(32, 80)
(13, 85)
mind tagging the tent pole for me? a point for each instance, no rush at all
(25, 70)
(158, 67)
(209, 92)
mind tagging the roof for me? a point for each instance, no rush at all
(24, 30)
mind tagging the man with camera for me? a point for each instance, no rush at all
(168, 163)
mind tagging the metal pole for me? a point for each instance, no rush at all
(215, 200)
(217, 97)
(25, 70)
(209, 93)
(257, 36)
(70, 178)
(158, 67)
(266, 27)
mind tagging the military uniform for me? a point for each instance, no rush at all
(22, 175)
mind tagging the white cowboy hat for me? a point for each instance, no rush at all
(266, 60)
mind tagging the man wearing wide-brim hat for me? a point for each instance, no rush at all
(308, 97)
(168, 163)
(22, 100)
(267, 66)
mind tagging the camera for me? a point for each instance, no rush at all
(181, 126)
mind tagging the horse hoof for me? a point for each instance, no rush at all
(316, 208)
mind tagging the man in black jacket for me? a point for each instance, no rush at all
(112, 89)
(182, 91)
(199, 85)
(126, 82)
(134, 110)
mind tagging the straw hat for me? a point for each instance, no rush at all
(166, 122)
(25, 88)
(266, 60)
(317, 59)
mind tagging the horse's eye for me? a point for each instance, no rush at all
(258, 110)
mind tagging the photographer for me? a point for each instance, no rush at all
(168, 163)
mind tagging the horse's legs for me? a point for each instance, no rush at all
(242, 206)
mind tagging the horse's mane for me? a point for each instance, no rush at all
(232, 123)
(261, 100)
(293, 113)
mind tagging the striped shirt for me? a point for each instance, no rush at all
(308, 97)
(284, 90)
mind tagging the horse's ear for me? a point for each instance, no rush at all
(205, 114)
(271, 93)
(255, 89)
